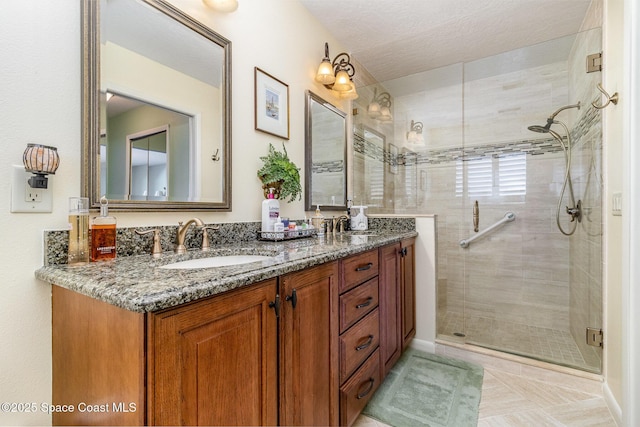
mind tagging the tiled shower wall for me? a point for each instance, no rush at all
(526, 272)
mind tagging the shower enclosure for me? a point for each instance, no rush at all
(520, 285)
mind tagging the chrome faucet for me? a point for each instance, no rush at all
(338, 222)
(182, 232)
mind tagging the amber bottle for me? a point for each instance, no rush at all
(103, 234)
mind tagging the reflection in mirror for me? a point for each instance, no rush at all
(156, 86)
(325, 155)
(369, 166)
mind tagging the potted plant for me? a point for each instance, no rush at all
(281, 174)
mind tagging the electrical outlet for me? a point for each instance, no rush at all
(27, 199)
(33, 194)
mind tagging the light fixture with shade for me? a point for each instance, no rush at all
(414, 136)
(41, 160)
(224, 6)
(337, 74)
(380, 107)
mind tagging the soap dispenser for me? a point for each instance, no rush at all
(318, 220)
(103, 234)
(360, 221)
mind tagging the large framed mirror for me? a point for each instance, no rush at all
(156, 108)
(325, 155)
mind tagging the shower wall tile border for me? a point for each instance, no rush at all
(589, 120)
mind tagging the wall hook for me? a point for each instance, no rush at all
(610, 98)
(215, 156)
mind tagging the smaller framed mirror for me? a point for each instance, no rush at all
(325, 155)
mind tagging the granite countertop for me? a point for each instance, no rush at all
(136, 283)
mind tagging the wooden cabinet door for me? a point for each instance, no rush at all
(214, 362)
(309, 347)
(390, 307)
(408, 288)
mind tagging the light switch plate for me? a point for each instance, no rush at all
(616, 204)
(27, 199)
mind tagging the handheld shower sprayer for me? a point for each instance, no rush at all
(576, 211)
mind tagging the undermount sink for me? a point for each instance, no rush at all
(362, 233)
(216, 261)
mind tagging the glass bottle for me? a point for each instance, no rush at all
(103, 234)
(78, 253)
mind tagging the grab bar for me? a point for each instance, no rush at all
(508, 217)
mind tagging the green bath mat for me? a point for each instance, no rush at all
(425, 389)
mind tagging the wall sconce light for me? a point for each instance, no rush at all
(41, 160)
(380, 106)
(224, 6)
(414, 136)
(337, 74)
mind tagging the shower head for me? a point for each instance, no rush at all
(539, 129)
(551, 120)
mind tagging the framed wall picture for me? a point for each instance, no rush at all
(271, 105)
(393, 159)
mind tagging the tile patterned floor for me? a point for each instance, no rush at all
(540, 343)
(518, 395)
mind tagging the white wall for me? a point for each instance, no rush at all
(40, 102)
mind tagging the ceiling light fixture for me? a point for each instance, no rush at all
(380, 106)
(337, 74)
(41, 160)
(414, 136)
(224, 6)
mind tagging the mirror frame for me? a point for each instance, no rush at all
(308, 155)
(90, 150)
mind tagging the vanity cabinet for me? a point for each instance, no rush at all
(222, 360)
(306, 348)
(359, 333)
(397, 301)
(408, 290)
(309, 347)
(205, 357)
(390, 307)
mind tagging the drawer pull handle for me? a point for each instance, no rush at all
(365, 267)
(367, 391)
(366, 303)
(365, 345)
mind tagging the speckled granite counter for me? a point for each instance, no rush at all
(137, 284)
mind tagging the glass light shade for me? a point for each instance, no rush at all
(373, 110)
(325, 73)
(343, 82)
(350, 94)
(412, 137)
(41, 159)
(385, 115)
(224, 6)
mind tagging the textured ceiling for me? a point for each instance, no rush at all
(396, 38)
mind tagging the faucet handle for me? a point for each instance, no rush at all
(157, 247)
(205, 236)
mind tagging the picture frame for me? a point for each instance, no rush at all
(271, 104)
(393, 159)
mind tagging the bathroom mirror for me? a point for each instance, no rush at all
(325, 155)
(156, 108)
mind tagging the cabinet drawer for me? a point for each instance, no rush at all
(356, 392)
(356, 303)
(358, 343)
(358, 268)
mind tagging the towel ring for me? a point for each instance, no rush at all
(610, 98)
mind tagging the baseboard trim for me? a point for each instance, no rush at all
(422, 345)
(612, 403)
